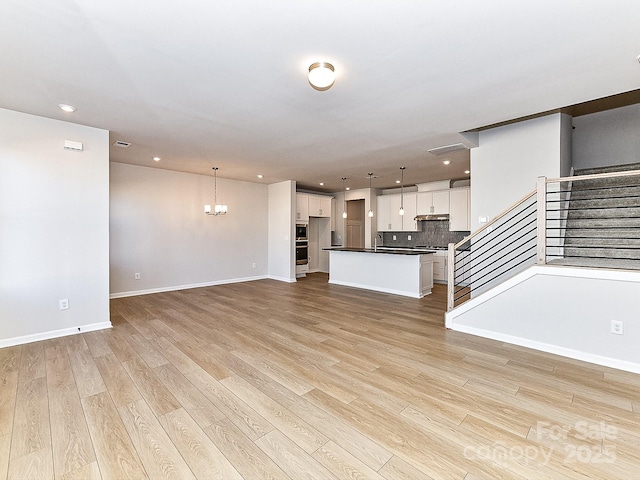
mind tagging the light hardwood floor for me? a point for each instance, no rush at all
(306, 381)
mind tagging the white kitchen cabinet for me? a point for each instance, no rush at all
(459, 212)
(440, 272)
(319, 206)
(433, 203)
(426, 274)
(410, 207)
(333, 214)
(389, 218)
(302, 207)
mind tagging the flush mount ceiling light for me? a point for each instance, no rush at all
(467, 172)
(156, 159)
(218, 209)
(321, 76)
(66, 107)
(446, 162)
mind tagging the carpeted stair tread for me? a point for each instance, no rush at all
(609, 169)
(597, 263)
(603, 220)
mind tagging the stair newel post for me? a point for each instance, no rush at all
(451, 263)
(541, 204)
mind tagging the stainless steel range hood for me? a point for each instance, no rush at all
(431, 218)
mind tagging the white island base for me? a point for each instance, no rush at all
(410, 275)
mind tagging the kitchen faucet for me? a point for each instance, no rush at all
(375, 242)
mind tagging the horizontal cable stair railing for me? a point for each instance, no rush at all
(503, 245)
(583, 220)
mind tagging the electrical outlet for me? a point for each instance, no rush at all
(408, 237)
(253, 265)
(64, 304)
(617, 327)
(136, 275)
(394, 237)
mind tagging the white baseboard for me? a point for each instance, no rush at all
(550, 348)
(377, 289)
(135, 293)
(281, 279)
(37, 337)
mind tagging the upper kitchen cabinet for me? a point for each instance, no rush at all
(459, 214)
(302, 207)
(433, 203)
(409, 223)
(319, 206)
(389, 218)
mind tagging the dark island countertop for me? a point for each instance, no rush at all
(387, 250)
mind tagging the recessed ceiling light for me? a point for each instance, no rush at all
(156, 159)
(446, 162)
(66, 108)
(260, 176)
(467, 172)
(321, 76)
(322, 184)
(397, 181)
(348, 188)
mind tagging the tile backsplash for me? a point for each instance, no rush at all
(434, 233)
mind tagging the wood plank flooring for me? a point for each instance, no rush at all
(268, 380)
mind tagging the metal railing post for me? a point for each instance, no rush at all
(541, 225)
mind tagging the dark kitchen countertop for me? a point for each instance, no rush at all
(388, 250)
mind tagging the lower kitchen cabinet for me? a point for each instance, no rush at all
(440, 266)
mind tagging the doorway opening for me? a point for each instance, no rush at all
(355, 223)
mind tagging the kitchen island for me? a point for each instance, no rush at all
(405, 272)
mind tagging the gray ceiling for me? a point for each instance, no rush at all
(223, 83)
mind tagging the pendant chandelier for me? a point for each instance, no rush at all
(401, 212)
(370, 202)
(218, 209)
(344, 203)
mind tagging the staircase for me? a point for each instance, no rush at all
(591, 219)
(603, 220)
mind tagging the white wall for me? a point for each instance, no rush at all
(54, 228)
(607, 138)
(159, 229)
(561, 310)
(508, 160)
(281, 237)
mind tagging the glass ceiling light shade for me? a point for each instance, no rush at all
(344, 203)
(401, 212)
(218, 209)
(321, 76)
(370, 213)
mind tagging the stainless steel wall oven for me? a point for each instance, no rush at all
(302, 244)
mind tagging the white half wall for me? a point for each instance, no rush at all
(509, 159)
(561, 310)
(281, 237)
(54, 228)
(159, 229)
